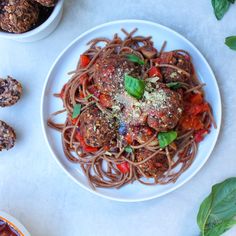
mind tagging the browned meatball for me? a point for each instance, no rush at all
(47, 3)
(18, 16)
(96, 128)
(7, 136)
(177, 59)
(164, 108)
(10, 91)
(110, 71)
(153, 167)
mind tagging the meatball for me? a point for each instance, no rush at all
(7, 136)
(10, 91)
(110, 71)
(153, 167)
(164, 108)
(18, 16)
(47, 3)
(96, 127)
(177, 59)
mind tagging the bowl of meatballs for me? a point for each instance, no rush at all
(29, 20)
(135, 118)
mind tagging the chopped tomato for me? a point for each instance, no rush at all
(81, 95)
(94, 90)
(63, 91)
(123, 167)
(73, 121)
(83, 78)
(154, 72)
(84, 146)
(148, 131)
(191, 122)
(90, 149)
(84, 61)
(128, 138)
(196, 98)
(105, 100)
(197, 109)
(106, 148)
(199, 136)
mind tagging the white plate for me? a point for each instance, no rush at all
(67, 61)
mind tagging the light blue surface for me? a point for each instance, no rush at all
(36, 191)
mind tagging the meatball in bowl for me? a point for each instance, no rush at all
(29, 20)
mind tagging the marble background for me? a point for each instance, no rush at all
(35, 190)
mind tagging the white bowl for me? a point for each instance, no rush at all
(41, 31)
(67, 61)
(14, 223)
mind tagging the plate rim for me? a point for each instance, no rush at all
(44, 126)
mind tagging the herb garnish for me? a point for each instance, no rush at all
(76, 110)
(134, 58)
(135, 87)
(166, 138)
(128, 149)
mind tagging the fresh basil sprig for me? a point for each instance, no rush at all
(218, 211)
(220, 7)
(231, 42)
(134, 58)
(135, 87)
(166, 138)
(76, 110)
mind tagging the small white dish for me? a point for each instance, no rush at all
(40, 32)
(67, 61)
(14, 223)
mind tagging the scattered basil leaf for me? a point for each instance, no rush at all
(135, 87)
(174, 85)
(76, 111)
(220, 7)
(218, 211)
(134, 58)
(231, 42)
(129, 149)
(166, 138)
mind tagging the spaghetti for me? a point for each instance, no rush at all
(115, 132)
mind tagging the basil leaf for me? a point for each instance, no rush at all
(129, 149)
(220, 228)
(134, 58)
(220, 7)
(174, 85)
(166, 138)
(134, 87)
(217, 212)
(231, 42)
(76, 111)
(232, 1)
